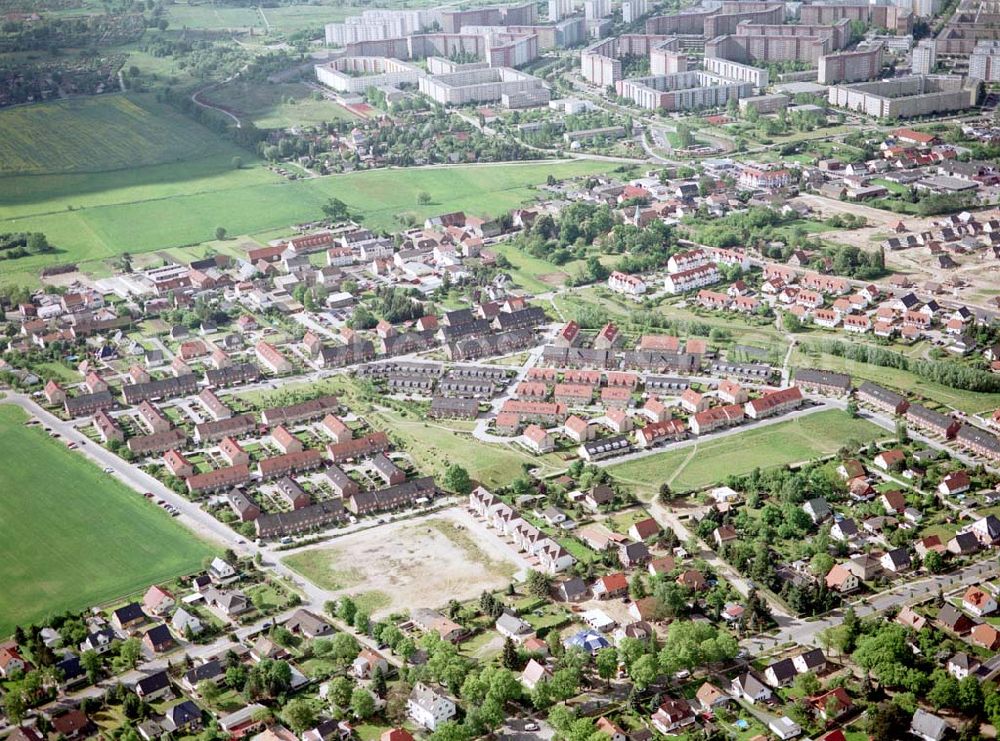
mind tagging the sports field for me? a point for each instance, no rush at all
(707, 463)
(71, 536)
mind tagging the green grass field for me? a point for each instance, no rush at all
(71, 536)
(187, 201)
(277, 105)
(707, 463)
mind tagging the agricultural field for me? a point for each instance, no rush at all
(277, 105)
(71, 536)
(97, 134)
(187, 201)
(414, 563)
(702, 464)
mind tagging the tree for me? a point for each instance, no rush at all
(538, 583)
(343, 647)
(423, 198)
(852, 408)
(607, 663)
(209, 691)
(644, 671)
(457, 480)
(887, 721)
(378, 682)
(934, 562)
(220, 232)
(340, 691)
(362, 703)
(450, 731)
(509, 657)
(130, 652)
(91, 662)
(300, 715)
(14, 706)
(336, 210)
(807, 684)
(346, 609)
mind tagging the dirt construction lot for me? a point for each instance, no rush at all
(421, 562)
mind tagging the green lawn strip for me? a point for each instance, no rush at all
(796, 440)
(71, 536)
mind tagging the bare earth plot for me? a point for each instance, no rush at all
(415, 563)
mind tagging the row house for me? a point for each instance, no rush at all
(614, 397)
(153, 418)
(177, 464)
(245, 509)
(569, 334)
(979, 441)
(731, 392)
(780, 273)
(713, 299)
(468, 388)
(233, 452)
(376, 442)
(107, 427)
(681, 262)
(583, 377)
(236, 374)
(502, 343)
(304, 411)
(857, 323)
(658, 432)
(660, 361)
(362, 351)
(87, 404)
(717, 417)
(931, 421)
(577, 429)
(826, 318)
(824, 382)
(312, 517)
(776, 402)
(498, 515)
(826, 283)
(342, 484)
(218, 480)
(235, 426)
(281, 465)
(271, 358)
(293, 495)
(54, 393)
(158, 442)
(165, 388)
(723, 256)
(539, 412)
(213, 405)
(595, 450)
(630, 285)
(622, 379)
(573, 394)
(689, 280)
(393, 497)
(745, 304)
(531, 390)
(882, 398)
(577, 357)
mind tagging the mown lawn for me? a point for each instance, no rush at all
(71, 536)
(711, 462)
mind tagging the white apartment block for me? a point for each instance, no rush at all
(759, 78)
(924, 57)
(690, 280)
(375, 25)
(596, 9)
(630, 285)
(559, 9)
(357, 74)
(984, 63)
(512, 88)
(634, 9)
